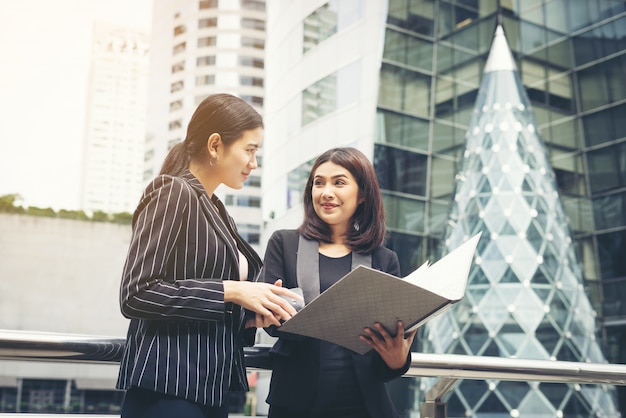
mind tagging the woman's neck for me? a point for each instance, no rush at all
(334, 249)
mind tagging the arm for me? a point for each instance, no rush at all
(165, 215)
(147, 290)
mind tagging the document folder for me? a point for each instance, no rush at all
(365, 296)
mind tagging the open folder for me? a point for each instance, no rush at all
(365, 296)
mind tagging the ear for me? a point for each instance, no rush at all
(213, 144)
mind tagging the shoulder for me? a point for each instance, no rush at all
(383, 253)
(165, 193)
(386, 260)
(285, 235)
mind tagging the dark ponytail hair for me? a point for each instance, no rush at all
(220, 113)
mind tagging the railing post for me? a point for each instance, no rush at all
(433, 407)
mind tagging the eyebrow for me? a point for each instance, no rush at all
(336, 176)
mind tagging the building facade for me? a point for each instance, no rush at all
(200, 47)
(399, 80)
(115, 119)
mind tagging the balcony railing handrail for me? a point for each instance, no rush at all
(45, 346)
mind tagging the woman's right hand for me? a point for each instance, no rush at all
(262, 298)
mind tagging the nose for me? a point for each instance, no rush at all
(328, 192)
(253, 163)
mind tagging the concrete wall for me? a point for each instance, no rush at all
(59, 275)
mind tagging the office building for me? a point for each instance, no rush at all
(115, 119)
(399, 80)
(200, 47)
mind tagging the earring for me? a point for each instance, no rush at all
(214, 162)
(356, 226)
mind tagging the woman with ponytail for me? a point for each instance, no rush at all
(189, 284)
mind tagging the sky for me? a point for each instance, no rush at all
(45, 48)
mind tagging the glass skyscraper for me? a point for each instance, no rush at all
(571, 57)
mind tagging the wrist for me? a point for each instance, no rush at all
(230, 291)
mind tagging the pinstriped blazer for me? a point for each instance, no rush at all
(183, 339)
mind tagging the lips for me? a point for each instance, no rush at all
(329, 205)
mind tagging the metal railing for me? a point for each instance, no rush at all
(39, 346)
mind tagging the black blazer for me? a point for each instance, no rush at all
(183, 339)
(294, 367)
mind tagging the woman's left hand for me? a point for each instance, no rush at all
(393, 350)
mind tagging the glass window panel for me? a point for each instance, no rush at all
(593, 88)
(415, 15)
(395, 46)
(320, 25)
(616, 77)
(419, 54)
(394, 128)
(404, 214)
(606, 168)
(417, 93)
(554, 14)
(532, 73)
(331, 93)
(400, 170)
(611, 248)
(605, 125)
(610, 211)
(409, 249)
(442, 177)
(437, 217)
(581, 13)
(580, 213)
(390, 92)
(564, 133)
(559, 54)
(447, 138)
(560, 93)
(404, 90)
(614, 304)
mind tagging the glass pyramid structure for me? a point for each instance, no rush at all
(525, 297)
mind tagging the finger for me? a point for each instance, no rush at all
(382, 330)
(400, 331)
(279, 283)
(285, 292)
(280, 307)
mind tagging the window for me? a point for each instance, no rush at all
(251, 81)
(179, 30)
(252, 42)
(205, 80)
(205, 61)
(256, 24)
(254, 100)
(179, 48)
(175, 105)
(208, 4)
(257, 5)
(333, 92)
(177, 86)
(251, 62)
(206, 41)
(210, 22)
(328, 20)
(253, 181)
(400, 170)
(175, 124)
(179, 66)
